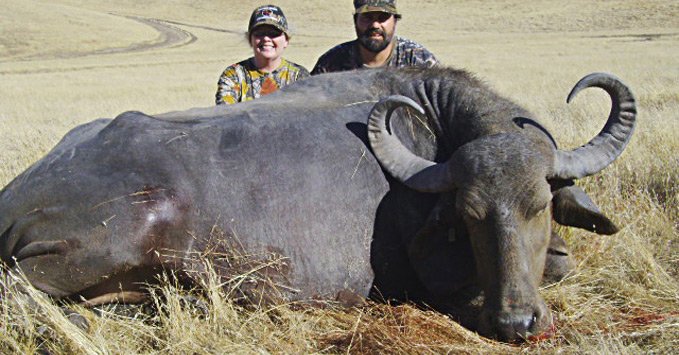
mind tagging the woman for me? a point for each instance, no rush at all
(267, 70)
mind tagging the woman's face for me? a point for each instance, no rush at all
(268, 42)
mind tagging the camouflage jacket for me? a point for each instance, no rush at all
(346, 57)
(243, 81)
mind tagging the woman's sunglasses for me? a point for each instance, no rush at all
(267, 32)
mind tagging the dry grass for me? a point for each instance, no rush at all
(624, 296)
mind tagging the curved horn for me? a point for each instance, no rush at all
(416, 172)
(603, 149)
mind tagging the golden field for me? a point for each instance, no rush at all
(66, 62)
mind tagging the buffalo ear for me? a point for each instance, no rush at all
(572, 207)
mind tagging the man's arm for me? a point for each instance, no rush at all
(428, 59)
(338, 58)
(410, 53)
(320, 67)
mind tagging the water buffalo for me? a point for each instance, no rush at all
(472, 184)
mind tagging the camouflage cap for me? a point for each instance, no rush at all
(363, 6)
(271, 15)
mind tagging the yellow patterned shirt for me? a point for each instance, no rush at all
(243, 81)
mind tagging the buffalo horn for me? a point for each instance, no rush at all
(603, 149)
(414, 171)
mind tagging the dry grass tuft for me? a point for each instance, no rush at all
(390, 329)
(179, 321)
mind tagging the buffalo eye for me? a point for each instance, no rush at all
(537, 209)
(471, 206)
(539, 202)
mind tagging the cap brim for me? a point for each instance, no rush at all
(367, 8)
(269, 23)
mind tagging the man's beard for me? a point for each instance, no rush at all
(374, 45)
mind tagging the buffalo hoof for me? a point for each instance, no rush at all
(46, 333)
(78, 320)
(200, 307)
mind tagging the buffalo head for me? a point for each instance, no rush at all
(507, 188)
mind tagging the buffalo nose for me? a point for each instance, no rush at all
(515, 327)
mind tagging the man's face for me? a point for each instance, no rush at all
(375, 30)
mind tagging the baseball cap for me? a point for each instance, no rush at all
(388, 6)
(271, 15)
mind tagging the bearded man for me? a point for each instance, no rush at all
(376, 44)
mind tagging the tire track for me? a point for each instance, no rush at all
(642, 37)
(169, 36)
(103, 66)
(215, 29)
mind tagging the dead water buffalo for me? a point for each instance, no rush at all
(472, 185)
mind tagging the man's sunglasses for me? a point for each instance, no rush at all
(374, 16)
